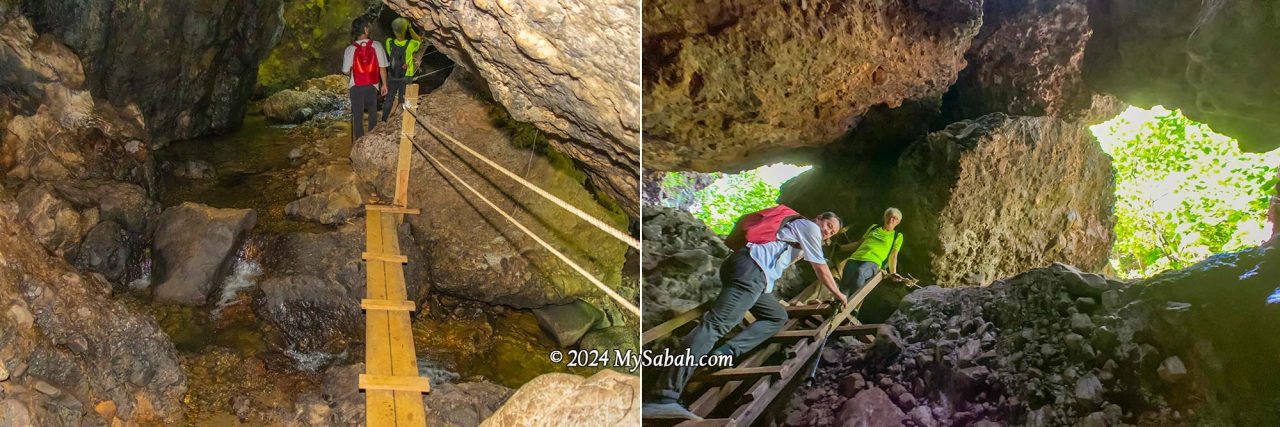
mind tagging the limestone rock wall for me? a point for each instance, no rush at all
(69, 354)
(189, 66)
(982, 199)
(570, 67)
(730, 83)
(471, 251)
(606, 398)
(1212, 60)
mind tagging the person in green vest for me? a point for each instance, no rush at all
(877, 249)
(400, 51)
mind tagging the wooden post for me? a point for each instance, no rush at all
(405, 160)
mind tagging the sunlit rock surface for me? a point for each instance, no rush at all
(570, 67)
(1212, 60)
(729, 83)
(606, 398)
(471, 251)
(190, 67)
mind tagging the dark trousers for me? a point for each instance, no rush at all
(742, 290)
(364, 99)
(855, 274)
(395, 91)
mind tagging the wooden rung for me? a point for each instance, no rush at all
(796, 335)
(856, 330)
(393, 209)
(735, 374)
(394, 383)
(808, 310)
(373, 256)
(387, 305)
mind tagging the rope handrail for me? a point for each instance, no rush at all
(594, 281)
(630, 241)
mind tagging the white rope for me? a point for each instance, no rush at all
(625, 238)
(612, 294)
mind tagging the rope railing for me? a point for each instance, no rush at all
(615, 233)
(581, 271)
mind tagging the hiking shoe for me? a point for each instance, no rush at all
(667, 410)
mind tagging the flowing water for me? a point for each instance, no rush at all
(228, 354)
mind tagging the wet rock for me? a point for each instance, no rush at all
(56, 224)
(870, 407)
(497, 268)
(923, 417)
(567, 323)
(1172, 370)
(221, 47)
(296, 106)
(194, 169)
(464, 404)
(122, 202)
(313, 314)
(569, 67)
(105, 250)
(723, 87)
(606, 398)
(615, 338)
(193, 248)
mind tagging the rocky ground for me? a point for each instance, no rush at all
(1054, 346)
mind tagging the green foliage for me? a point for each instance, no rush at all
(1182, 192)
(725, 200)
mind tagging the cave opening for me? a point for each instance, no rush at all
(1183, 192)
(719, 198)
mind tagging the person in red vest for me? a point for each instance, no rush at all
(366, 62)
(766, 243)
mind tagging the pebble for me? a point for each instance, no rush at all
(46, 388)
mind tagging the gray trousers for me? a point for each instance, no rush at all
(742, 289)
(364, 99)
(395, 91)
(856, 274)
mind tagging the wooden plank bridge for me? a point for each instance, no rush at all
(392, 384)
(738, 396)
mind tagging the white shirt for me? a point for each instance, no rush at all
(348, 57)
(774, 257)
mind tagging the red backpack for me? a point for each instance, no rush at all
(364, 64)
(760, 226)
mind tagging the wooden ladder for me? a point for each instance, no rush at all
(738, 396)
(392, 384)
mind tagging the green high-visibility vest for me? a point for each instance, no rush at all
(411, 47)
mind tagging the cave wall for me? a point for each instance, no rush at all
(1213, 60)
(981, 199)
(189, 66)
(570, 67)
(470, 251)
(729, 84)
(314, 34)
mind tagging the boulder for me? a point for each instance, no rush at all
(193, 248)
(724, 87)
(567, 323)
(105, 250)
(606, 398)
(569, 67)
(331, 195)
(220, 45)
(870, 408)
(297, 106)
(313, 294)
(470, 251)
(336, 84)
(464, 404)
(981, 199)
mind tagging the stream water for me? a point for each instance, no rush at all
(460, 341)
